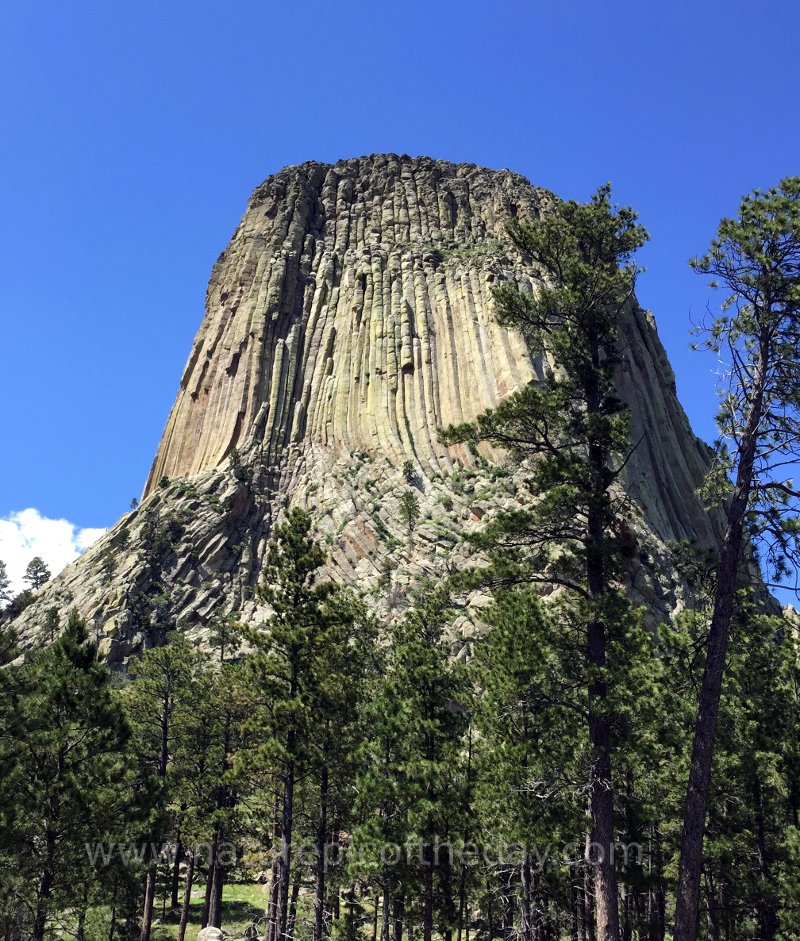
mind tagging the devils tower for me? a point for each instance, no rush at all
(348, 320)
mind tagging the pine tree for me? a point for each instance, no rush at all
(533, 762)
(227, 712)
(572, 432)
(36, 574)
(226, 636)
(788, 888)
(746, 849)
(65, 779)
(382, 799)
(211, 723)
(530, 748)
(5, 585)
(757, 259)
(18, 604)
(8, 644)
(289, 669)
(340, 694)
(159, 696)
(750, 811)
(409, 509)
(411, 775)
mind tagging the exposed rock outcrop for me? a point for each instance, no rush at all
(349, 318)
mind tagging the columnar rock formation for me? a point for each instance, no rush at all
(348, 320)
(352, 309)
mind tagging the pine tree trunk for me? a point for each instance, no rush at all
(212, 862)
(658, 914)
(176, 875)
(187, 896)
(427, 893)
(445, 866)
(112, 921)
(292, 919)
(385, 914)
(40, 919)
(627, 927)
(462, 901)
(526, 914)
(82, 909)
(285, 860)
(215, 901)
(601, 795)
(640, 910)
(45, 888)
(149, 902)
(398, 916)
(694, 815)
(287, 816)
(688, 893)
(541, 930)
(322, 861)
(507, 927)
(272, 905)
(656, 901)
(462, 882)
(217, 874)
(152, 872)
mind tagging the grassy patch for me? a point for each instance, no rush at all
(242, 904)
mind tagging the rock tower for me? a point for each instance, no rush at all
(348, 320)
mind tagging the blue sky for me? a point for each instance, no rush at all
(133, 133)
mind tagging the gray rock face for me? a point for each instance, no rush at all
(349, 318)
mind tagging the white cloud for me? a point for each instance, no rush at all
(27, 533)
